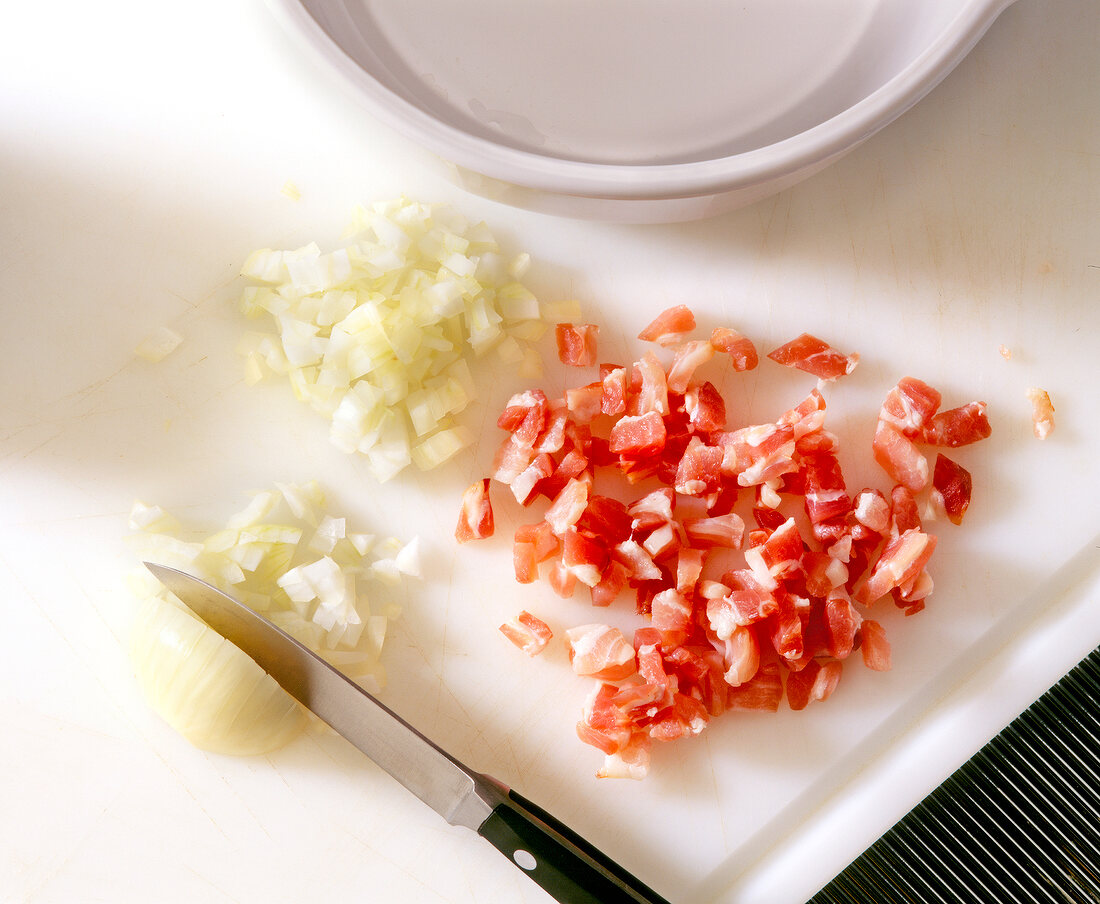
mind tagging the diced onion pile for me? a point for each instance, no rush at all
(737, 616)
(376, 335)
(284, 556)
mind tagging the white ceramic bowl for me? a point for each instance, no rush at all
(638, 110)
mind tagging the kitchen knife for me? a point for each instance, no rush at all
(560, 861)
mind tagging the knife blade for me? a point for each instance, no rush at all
(564, 864)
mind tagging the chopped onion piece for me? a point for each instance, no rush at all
(158, 345)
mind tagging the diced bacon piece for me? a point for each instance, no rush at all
(690, 356)
(903, 512)
(636, 470)
(785, 628)
(820, 441)
(762, 693)
(742, 352)
(541, 539)
(725, 531)
(525, 416)
(523, 562)
(814, 356)
(527, 632)
(823, 572)
(767, 495)
(607, 519)
(603, 723)
(612, 582)
(689, 568)
(510, 460)
(585, 402)
(578, 437)
(951, 487)
(842, 621)
(828, 532)
(722, 502)
(524, 483)
(641, 436)
(742, 656)
(583, 556)
(647, 698)
(600, 651)
(807, 418)
(577, 343)
(911, 596)
(568, 506)
(653, 393)
(684, 718)
(616, 389)
(598, 453)
(562, 581)
(574, 464)
(475, 520)
(782, 551)
(874, 647)
(756, 538)
(664, 541)
(671, 615)
(1042, 412)
(900, 562)
(872, 510)
(958, 426)
(909, 406)
(723, 617)
(767, 519)
(669, 326)
(816, 681)
(899, 457)
(712, 688)
(758, 454)
(841, 550)
(746, 602)
(660, 503)
(630, 761)
(705, 408)
(700, 469)
(638, 561)
(552, 438)
(826, 498)
(688, 664)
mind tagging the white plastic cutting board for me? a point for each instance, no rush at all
(142, 152)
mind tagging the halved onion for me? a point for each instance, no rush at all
(205, 687)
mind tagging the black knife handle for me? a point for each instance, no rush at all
(566, 866)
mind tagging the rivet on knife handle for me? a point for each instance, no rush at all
(566, 866)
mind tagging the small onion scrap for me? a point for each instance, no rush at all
(303, 569)
(377, 335)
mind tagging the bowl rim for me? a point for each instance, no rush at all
(779, 160)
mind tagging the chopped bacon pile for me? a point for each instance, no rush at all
(737, 615)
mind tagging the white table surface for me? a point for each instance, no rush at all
(142, 151)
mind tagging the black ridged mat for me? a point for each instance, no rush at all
(1019, 822)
